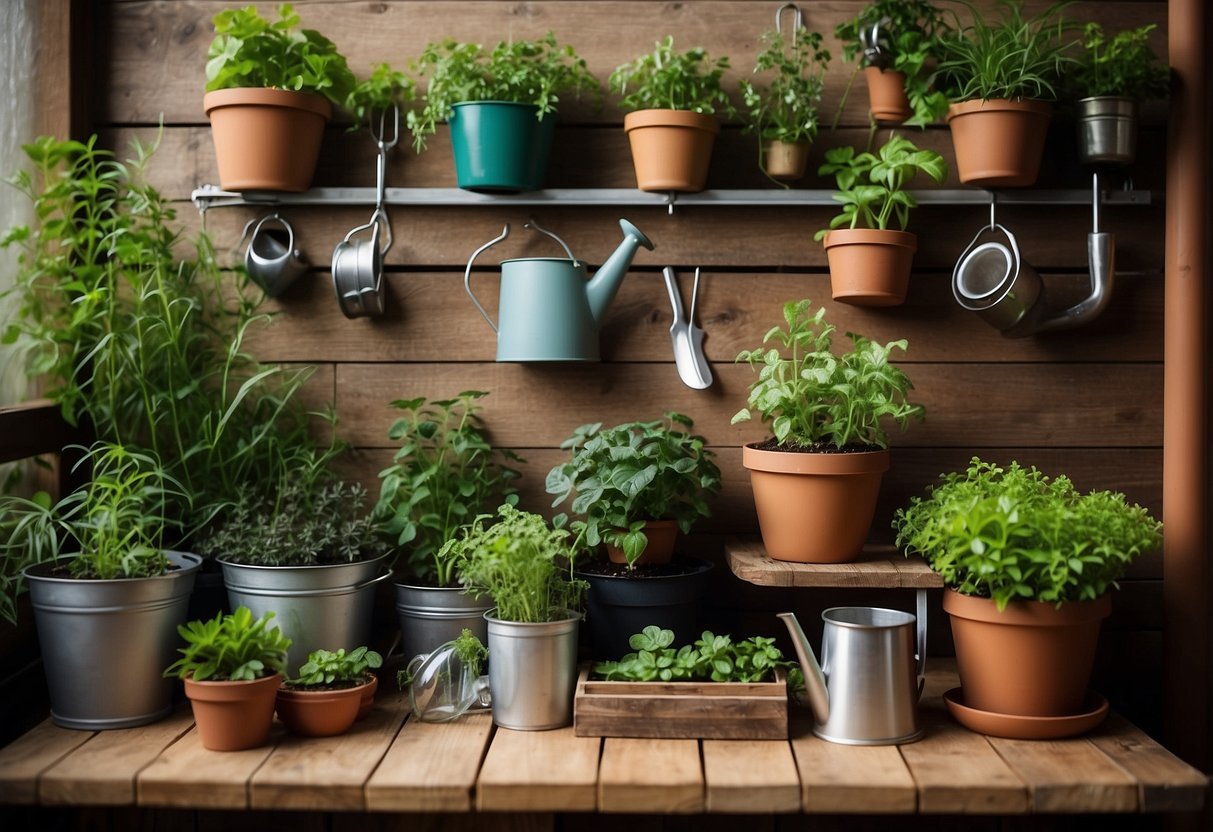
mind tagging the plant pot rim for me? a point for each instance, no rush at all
(1026, 613)
(499, 102)
(798, 462)
(884, 71)
(490, 616)
(993, 105)
(267, 97)
(409, 583)
(869, 237)
(670, 118)
(228, 684)
(322, 695)
(301, 566)
(1128, 98)
(187, 563)
(702, 565)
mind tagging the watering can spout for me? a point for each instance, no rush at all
(601, 289)
(814, 678)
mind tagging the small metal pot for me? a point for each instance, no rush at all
(532, 672)
(271, 259)
(431, 616)
(358, 270)
(993, 280)
(1107, 130)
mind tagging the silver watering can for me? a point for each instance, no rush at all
(865, 690)
(271, 259)
(548, 310)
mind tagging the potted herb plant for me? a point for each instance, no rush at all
(525, 566)
(869, 261)
(898, 43)
(783, 110)
(444, 475)
(501, 106)
(1027, 561)
(329, 693)
(673, 98)
(106, 596)
(1110, 77)
(383, 91)
(270, 88)
(309, 552)
(232, 666)
(1002, 74)
(816, 481)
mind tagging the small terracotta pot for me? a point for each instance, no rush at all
(1031, 659)
(870, 267)
(233, 716)
(368, 696)
(815, 507)
(266, 139)
(671, 149)
(660, 549)
(319, 713)
(999, 142)
(887, 95)
(785, 160)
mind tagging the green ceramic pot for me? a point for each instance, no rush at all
(500, 145)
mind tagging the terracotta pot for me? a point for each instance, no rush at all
(233, 716)
(319, 713)
(815, 507)
(660, 549)
(870, 267)
(887, 95)
(266, 139)
(999, 142)
(368, 696)
(1031, 659)
(671, 149)
(785, 160)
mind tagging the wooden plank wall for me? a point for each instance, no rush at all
(1087, 403)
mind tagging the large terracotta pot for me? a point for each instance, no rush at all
(1031, 659)
(887, 95)
(320, 713)
(233, 716)
(870, 267)
(266, 139)
(999, 142)
(671, 149)
(660, 549)
(785, 160)
(815, 507)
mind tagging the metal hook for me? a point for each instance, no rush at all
(378, 135)
(993, 215)
(670, 199)
(1096, 202)
(797, 18)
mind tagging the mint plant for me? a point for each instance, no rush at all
(444, 475)
(666, 79)
(712, 657)
(784, 108)
(1123, 65)
(471, 652)
(328, 670)
(230, 648)
(1016, 534)
(813, 398)
(872, 188)
(631, 473)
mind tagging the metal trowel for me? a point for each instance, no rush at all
(687, 337)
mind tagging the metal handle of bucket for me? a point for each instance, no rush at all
(534, 226)
(306, 593)
(467, 272)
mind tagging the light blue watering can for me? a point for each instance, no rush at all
(548, 310)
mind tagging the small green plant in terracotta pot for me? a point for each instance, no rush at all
(673, 98)
(329, 693)
(816, 481)
(869, 260)
(1028, 561)
(232, 666)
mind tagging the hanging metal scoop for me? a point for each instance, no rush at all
(687, 337)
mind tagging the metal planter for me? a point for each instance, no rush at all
(1107, 130)
(431, 616)
(318, 607)
(105, 644)
(532, 672)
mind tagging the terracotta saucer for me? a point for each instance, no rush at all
(1095, 708)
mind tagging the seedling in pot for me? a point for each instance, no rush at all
(333, 670)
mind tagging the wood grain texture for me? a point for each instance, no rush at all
(1165, 783)
(850, 779)
(187, 775)
(431, 767)
(957, 771)
(102, 772)
(878, 566)
(648, 775)
(23, 760)
(539, 771)
(750, 776)
(1068, 776)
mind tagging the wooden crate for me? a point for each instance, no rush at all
(681, 710)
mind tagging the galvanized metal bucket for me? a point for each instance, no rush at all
(318, 607)
(1107, 130)
(105, 643)
(532, 672)
(431, 616)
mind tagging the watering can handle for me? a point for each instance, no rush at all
(467, 272)
(921, 627)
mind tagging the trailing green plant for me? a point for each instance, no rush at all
(533, 72)
(1013, 57)
(784, 108)
(232, 647)
(712, 657)
(250, 51)
(383, 91)
(327, 669)
(1016, 534)
(872, 187)
(909, 32)
(297, 526)
(444, 475)
(666, 79)
(1123, 65)
(470, 652)
(632, 473)
(815, 399)
(522, 563)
